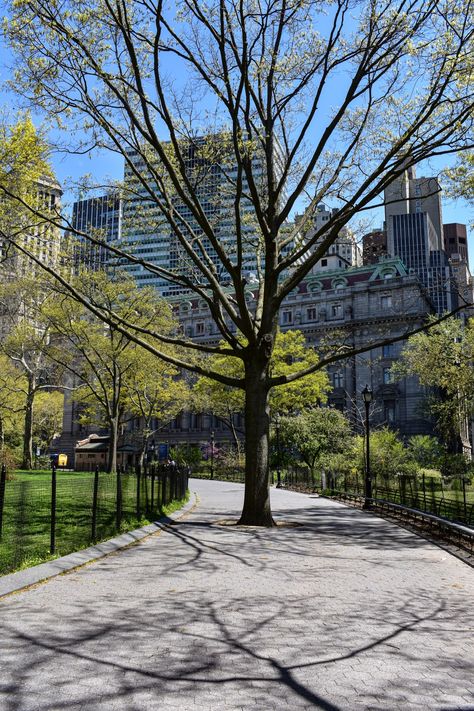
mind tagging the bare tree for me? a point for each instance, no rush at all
(256, 79)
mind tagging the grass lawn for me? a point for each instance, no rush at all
(27, 514)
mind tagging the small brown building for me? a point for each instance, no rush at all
(93, 451)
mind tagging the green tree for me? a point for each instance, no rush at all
(48, 417)
(107, 367)
(290, 355)
(388, 456)
(425, 450)
(461, 178)
(153, 390)
(27, 343)
(442, 359)
(12, 403)
(315, 433)
(266, 75)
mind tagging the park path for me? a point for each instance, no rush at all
(343, 612)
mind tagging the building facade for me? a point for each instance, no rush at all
(355, 307)
(374, 246)
(40, 238)
(414, 224)
(147, 234)
(455, 240)
(101, 218)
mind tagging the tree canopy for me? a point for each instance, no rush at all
(443, 360)
(284, 105)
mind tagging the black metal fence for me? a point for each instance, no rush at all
(220, 473)
(423, 493)
(61, 512)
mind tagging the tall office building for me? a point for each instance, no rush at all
(99, 217)
(414, 226)
(41, 238)
(148, 235)
(409, 195)
(455, 240)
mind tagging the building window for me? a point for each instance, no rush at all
(386, 302)
(324, 262)
(287, 318)
(199, 329)
(338, 379)
(387, 376)
(312, 314)
(389, 410)
(337, 310)
(388, 351)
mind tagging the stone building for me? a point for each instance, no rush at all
(354, 306)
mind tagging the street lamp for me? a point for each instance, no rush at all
(212, 454)
(367, 396)
(277, 427)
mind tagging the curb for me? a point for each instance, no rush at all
(14, 582)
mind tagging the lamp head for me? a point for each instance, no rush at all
(367, 395)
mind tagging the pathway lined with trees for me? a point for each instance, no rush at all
(338, 611)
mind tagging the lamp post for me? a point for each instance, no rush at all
(212, 454)
(277, 427)
(367, 397)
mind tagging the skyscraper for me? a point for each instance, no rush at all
(409, 195)
(99, 217)
(147, 233)
(41, 238)
(414, 226)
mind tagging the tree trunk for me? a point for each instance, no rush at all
(256, 510)
(2, 439)
(27, 461)
(143, 448)
(234, 436)
(113, 441)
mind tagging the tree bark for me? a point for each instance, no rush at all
(256, 510)
(2, 439)
(112, 453)
(27, 461)
(143, 445)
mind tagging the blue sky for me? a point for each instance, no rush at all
(107, 167)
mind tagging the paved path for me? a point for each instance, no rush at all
(345, 612)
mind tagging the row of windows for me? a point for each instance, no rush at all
(336, 311)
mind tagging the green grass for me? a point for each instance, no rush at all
(45, 475)
(27, 514)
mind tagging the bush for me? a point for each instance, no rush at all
(429, 473)
(184, 455)
(11, 459)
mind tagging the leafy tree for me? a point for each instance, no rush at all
(315, 433)
(391, 75)
(442, 359)
(184, 455)
(461, 178)
(27, 343)
(153, 390)
(107, 366)
(48, 417)
(290, 355)
(12, 403)
(388, 456)
(425, 450)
